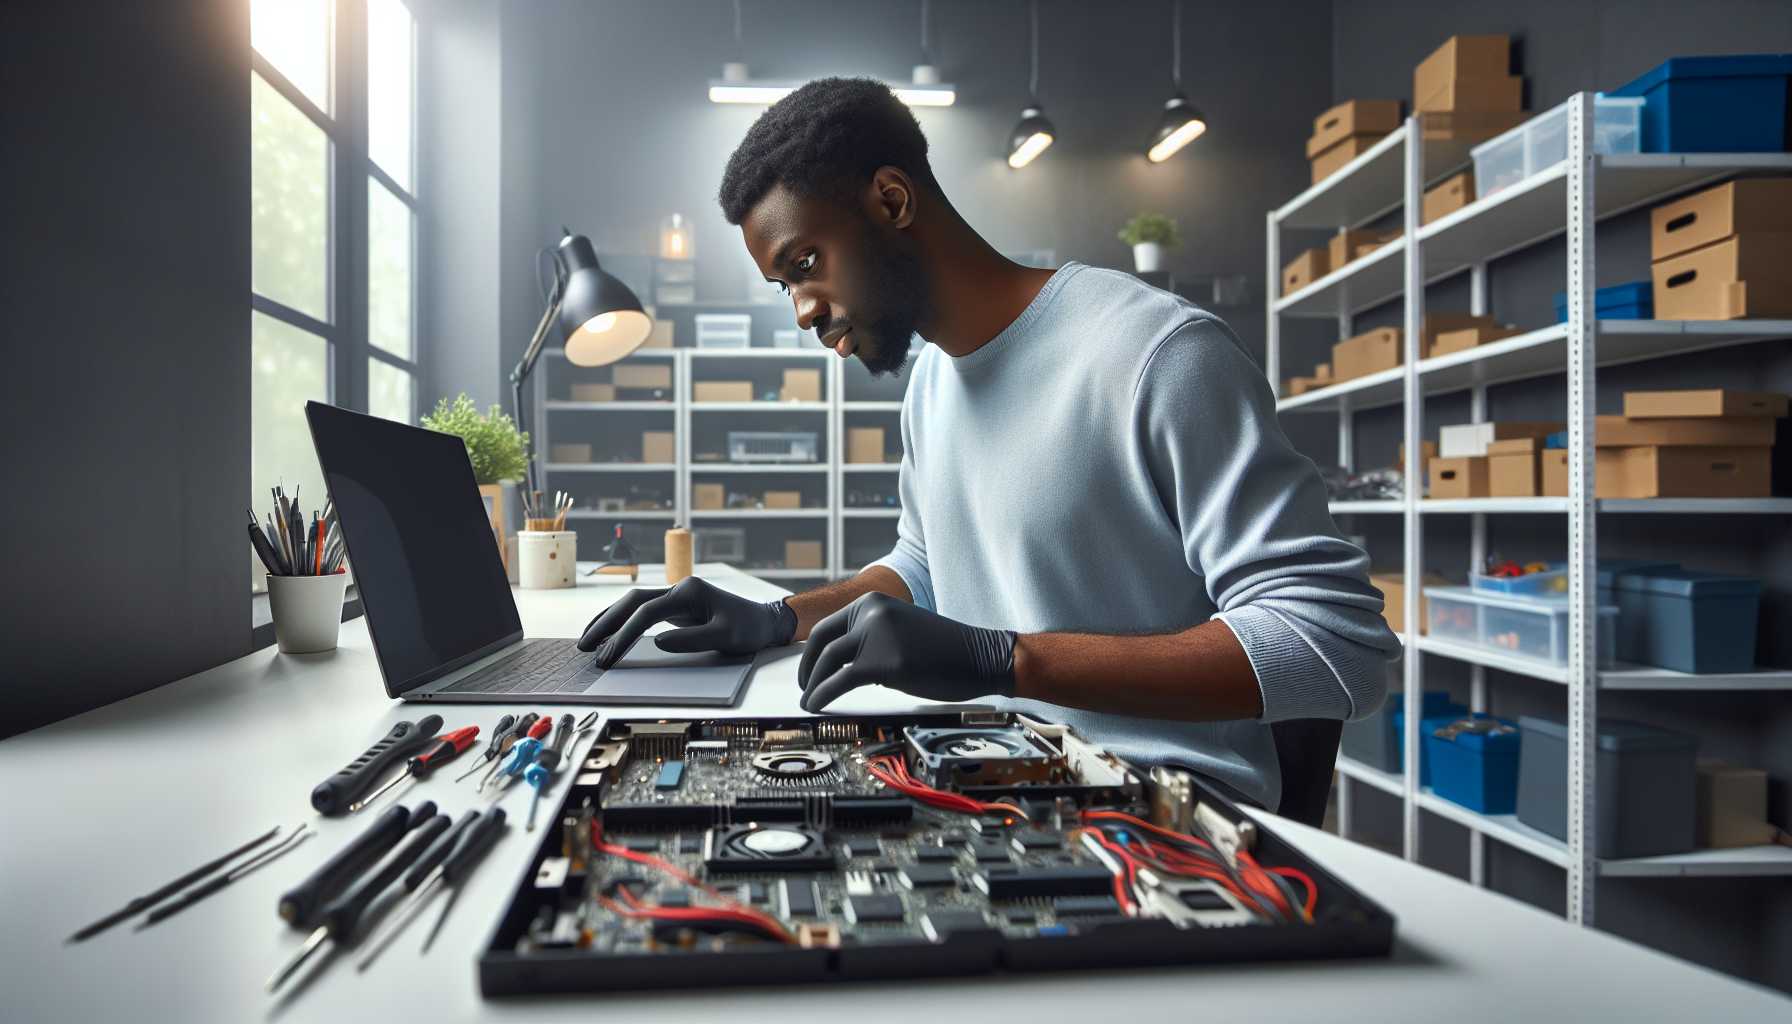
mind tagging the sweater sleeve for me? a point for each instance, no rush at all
(908, 559)
(1257, 530)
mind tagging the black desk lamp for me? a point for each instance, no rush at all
(600, 316)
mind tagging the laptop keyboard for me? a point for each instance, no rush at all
(542, 666)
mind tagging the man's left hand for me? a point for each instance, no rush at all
(881, 639)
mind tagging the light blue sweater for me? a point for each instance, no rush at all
(1111, 463)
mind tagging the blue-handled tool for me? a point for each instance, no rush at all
(540, 775)
(522, 756)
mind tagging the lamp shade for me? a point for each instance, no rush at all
(601, 317)
(1181, 125)
(1031, 137)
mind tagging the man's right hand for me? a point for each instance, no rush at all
(710, 619)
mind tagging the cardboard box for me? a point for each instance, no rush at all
(802, 554)
(1732, 806)
(1306, 268)
(1492, 92)
(656, 446)
(1393, 596)
(1302, 385)
(1465, 338)
(1427, 452)
(624, 375)
(1459, 478)
(1329, 162)
(1513, 468)
(1749, 205)
(801, 386)
(1347, 246)
(1324, 372)
(1684, 472)
(783, 499)
(1460, 57)
(1468, 126)
(708, 497)
(661, 335)
(722, 391)
(1703, 402)
(1554, 470)
(1352, 117)
(1437, 323)
(1464, 439)
(569, 453)
(1448, 196)
(594, 392)
(1742, 276)
(1367, 353)
(1724, 431)
(864, 444)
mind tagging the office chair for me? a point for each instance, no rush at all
(1307, 750)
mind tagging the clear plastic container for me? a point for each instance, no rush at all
(1526, 627)
(1499, 163)
(1551, 583)
(1542, 142)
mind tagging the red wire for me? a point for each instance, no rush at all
(730, 909)
(1301, 877)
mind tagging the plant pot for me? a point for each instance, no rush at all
(1148, 257)
(493, 497)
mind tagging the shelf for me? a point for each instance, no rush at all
(1393, 505)
(1369, 186)
(1615, 506)
(1548, 671)
(788, 574)
(1382, 387)
(640, 353)
(591, 513)
(759, 513)
(1371, 281)
(1505, 828)
(562, 404)
(870, 513)
(1650, 677)
(759, 467)
(1432, 505)
(870, 467)
(760, 353)
(760, 407)
(610, 467)
(1387, 782)
(871, 406)
(1755, 861)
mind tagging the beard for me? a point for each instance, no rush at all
(895, 298)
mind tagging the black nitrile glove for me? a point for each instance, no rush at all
(880, 639)
(712, 620)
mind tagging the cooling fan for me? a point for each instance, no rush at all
(756, 847)
(796, 767)
(978, 757)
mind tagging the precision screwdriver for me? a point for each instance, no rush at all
(522, 754)
(334, 794)
(517, 732)
(393, 923)
(299, 905)
(342, 917)
(146, 901)
(540, 775)
(218, 882)
(446, 748)
(459, 865)
(499, 733)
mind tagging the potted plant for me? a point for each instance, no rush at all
(1149, 234)
(499, 452)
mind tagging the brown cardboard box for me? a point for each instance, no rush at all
(624, 375)
(1750, 205)
(722, 391)
(1684, 472)
(1467, 337)
(1448, 196)
(1513, 469)
(656, 446)
(1468, 126)
(1732, 806)
(1366, 353)
(801, 386)
(864, 444)
(707, 497)
(1742, 276)
(1352, 117)
(1302, 385)
(1329, 162)
(1460, 478)
(1427, 452)
(1393, 596)
(1459, 57)
(594, 392)
(1724, 431)
(569, 453)
(1437, 323)
(1347, 246)
(1492, 92)
(1306, 268)
(660, 336)
(1324, 372)
(1555, 472)
(1704, 402)
(802, 554)
(783, 499)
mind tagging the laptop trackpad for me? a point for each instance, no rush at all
(648, 675)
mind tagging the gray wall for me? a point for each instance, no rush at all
(126, 397)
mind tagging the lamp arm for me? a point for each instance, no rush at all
(521, 373)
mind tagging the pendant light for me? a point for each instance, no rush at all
(738, 86)
(1034, 133)
(1182, 123)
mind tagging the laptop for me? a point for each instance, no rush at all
(433, 588)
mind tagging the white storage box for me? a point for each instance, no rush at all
(772, 446)
(724, 330)
(1542, 142)
(1526, 627)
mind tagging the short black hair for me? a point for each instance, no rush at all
(825, 139)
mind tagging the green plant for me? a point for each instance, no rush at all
(1150, 227)
(498, 450)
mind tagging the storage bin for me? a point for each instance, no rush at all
(1630, 627)
(1690, 621)
(1542, 142)
(1375, 741)
(1733, 104)
(1527, 627)
(1643, 788)
(1474, 765)
(1634, 300)
(1550, 583)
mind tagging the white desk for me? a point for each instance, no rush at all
(110, 804)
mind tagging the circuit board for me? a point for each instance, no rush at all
(755, 851)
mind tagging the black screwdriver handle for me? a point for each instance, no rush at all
(499, 731)
(438, 851)
(551, 756)
(343, 916)
(300, 904)
(474, 847)
(518, 731)
(334, 795)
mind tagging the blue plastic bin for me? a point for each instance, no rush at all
(1691, 621)
(1714, 104)
(1634, 300)
(1376, 740)
(1437, 705)
(1477, 770)
(1630, 627)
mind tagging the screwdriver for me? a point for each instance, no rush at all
(395, 922)
(446, 748)
(334, 794)
(517, 732)
(540, 775)
(523, 753)
(342, 917)
(458, 866)
(299, 905)
(500, 733)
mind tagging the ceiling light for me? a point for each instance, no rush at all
(737, 86)
(1034, 134)
(1181, 123)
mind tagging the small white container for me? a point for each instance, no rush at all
(307, 611)
(1148, 257)
(547, 559)
(1542, 142)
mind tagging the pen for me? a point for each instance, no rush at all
(263, 550)
(318, 560)
(296, 524)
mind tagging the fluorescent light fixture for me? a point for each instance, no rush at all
(1182, 124)
(1024, 153)
(764, 93)
(1031, 137)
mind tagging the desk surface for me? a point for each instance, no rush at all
(110, 804)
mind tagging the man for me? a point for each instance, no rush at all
(1099, 510)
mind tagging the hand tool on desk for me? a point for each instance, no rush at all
(146, 901)
(334, 794)
(501, 733)
(420, 872)
(522, 756)
(341, 920)
(585, 725)
(540, 775)
(459, 865)
(299, 906)
(217, 882)
(445, 749)
(535, 730)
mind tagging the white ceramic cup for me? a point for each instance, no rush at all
(547, 559)
(307, 611)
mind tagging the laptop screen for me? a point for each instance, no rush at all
(420, 544)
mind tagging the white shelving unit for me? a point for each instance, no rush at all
(1566, 200)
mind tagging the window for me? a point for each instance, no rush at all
(334, 224)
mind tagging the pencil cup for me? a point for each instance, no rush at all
(307, 611)
(547, 559)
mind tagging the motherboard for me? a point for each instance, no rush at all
(752, 851)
